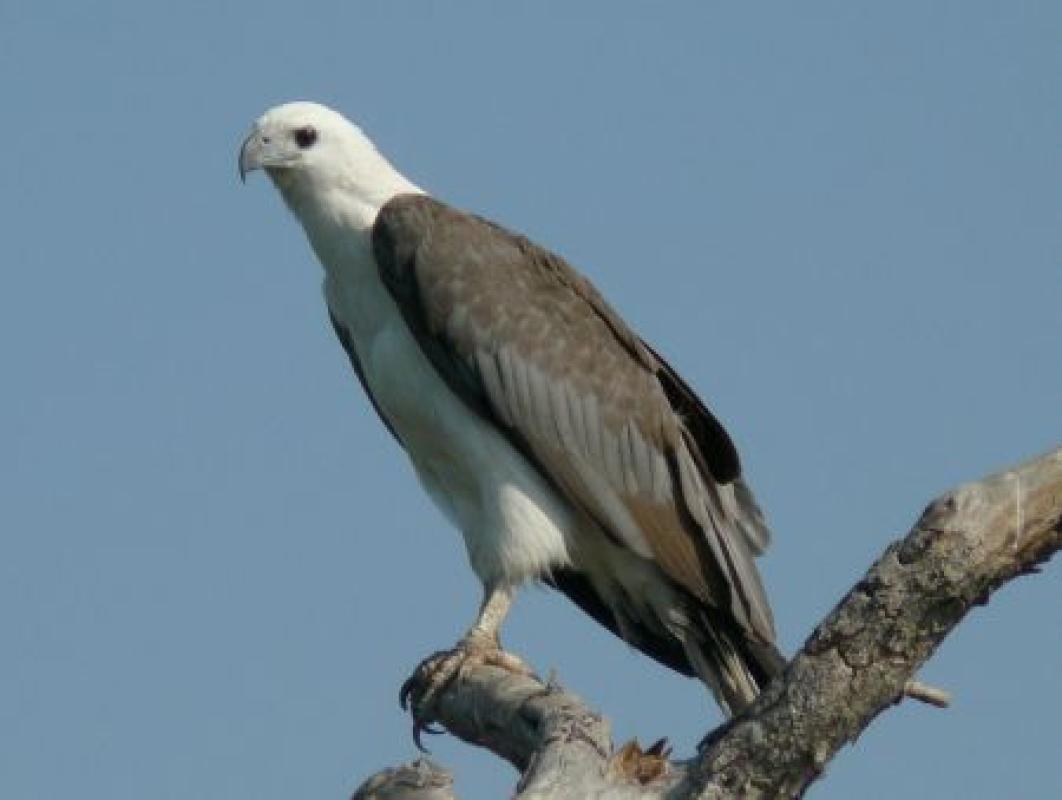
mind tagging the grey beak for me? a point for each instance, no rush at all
(250, 155)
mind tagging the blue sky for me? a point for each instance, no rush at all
(841, 221)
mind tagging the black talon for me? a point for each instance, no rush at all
(405, 692)
(417, 729)
(419, 693)
(421, 728)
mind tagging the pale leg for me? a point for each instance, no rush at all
(480, 645)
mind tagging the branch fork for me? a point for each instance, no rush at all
(857, 662)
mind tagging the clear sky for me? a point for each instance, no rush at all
(841, 220)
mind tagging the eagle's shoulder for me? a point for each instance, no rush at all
(400, 228)
(419, 240)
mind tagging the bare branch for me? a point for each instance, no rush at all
(860, 660)
(967, 544)
(930, 695)
(561, 747)
(420, 780)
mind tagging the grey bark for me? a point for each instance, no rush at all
(855, 664)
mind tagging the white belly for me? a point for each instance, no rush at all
(515, 526)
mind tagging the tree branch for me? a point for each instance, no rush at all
(856, 663)
(967, 544)
(419, 780)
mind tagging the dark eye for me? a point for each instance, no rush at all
(306, 136)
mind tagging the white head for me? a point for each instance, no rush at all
(322, 163)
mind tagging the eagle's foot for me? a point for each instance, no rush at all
(435, 673)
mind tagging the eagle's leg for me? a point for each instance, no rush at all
(480, 645)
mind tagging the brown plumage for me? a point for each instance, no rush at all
(529, 344)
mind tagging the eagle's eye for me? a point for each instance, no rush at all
(305, 136)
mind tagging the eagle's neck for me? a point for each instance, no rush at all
(339, 227)
(344, 194)
(338, 216)
(338, 208)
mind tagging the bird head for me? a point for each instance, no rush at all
(316, 157)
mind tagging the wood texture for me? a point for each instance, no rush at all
(855, 664)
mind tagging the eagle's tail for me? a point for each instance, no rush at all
(689, 636)
(734, 664)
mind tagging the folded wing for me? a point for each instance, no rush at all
(530, 345)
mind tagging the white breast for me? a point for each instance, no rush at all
(514, 524)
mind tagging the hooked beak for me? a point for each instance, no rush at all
(262, 151)
(251, 156)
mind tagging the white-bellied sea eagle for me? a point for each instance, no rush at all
(561, 445)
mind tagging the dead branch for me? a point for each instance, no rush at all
(859, 661)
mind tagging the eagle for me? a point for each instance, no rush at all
(560, 444)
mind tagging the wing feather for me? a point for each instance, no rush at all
(531, 345)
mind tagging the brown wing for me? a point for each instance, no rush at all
(528, 343)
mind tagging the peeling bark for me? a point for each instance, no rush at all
(856, 663)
